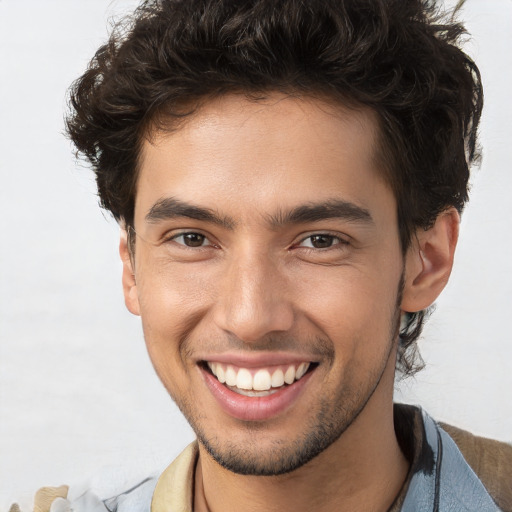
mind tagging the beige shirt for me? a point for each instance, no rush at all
(175, 488)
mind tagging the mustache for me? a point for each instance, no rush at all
(189, 343)
(317, 346)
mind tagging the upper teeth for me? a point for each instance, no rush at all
(257, 380)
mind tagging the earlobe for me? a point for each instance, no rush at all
(429, 261)
(131, 297)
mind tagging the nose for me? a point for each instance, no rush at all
(253, 298)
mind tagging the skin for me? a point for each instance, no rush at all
(255, 283)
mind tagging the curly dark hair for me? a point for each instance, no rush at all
(401, 58)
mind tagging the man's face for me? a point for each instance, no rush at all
(267, 245)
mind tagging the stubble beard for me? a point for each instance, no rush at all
(333, 417)
(284, 456)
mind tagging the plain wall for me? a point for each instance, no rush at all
(78, 396)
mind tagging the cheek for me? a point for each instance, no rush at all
(171, 304)
(174, 301)
(354, 309)
(169, 293)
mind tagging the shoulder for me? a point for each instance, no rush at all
(62, 499)
(172, 489)
(491, 461)
(451, 469)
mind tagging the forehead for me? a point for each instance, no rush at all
(278, 151)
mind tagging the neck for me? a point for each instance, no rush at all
(363, 470)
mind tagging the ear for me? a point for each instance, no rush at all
(131, 297)
(429, 261)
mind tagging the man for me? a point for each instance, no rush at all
(289, 178)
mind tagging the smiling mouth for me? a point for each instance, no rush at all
(258, 382)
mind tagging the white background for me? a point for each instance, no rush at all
(78, 397)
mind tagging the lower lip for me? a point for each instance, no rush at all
(260, 408)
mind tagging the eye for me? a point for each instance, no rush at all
(191, 239)
(321, 241)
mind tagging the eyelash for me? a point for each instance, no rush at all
(174, 237)
(334, 239)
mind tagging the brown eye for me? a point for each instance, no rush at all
(320, 241)
(191, 239)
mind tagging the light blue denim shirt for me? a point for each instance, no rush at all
(444, 481)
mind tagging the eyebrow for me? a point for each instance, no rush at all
(171, 208)
(314, 212)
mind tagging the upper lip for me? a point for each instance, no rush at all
(257, 360)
